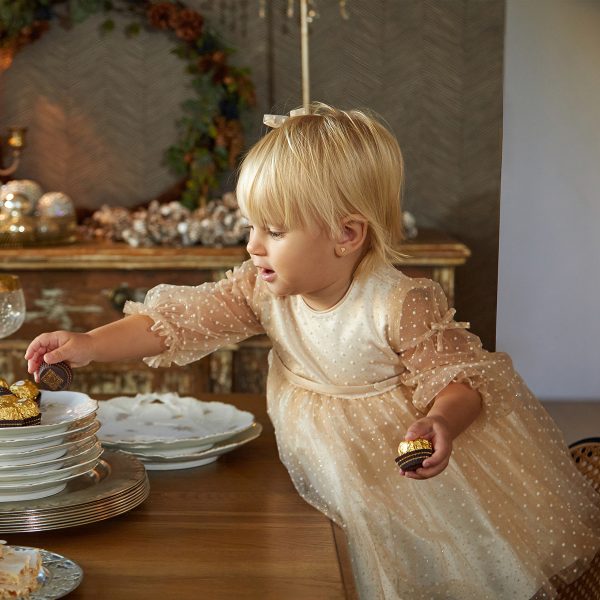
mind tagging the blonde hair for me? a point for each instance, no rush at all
(318, 168)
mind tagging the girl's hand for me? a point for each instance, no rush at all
(74, 348)
(436, 430)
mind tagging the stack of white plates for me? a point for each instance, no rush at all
(168, 431)
(39, 460)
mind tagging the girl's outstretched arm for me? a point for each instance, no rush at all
(453, 410)
(126, 339)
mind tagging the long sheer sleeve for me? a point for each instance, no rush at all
(196, 320)
(436, 350)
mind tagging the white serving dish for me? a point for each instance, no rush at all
(86, 462)
(167, 423)
(69, 457)
(160, 462)
(173, 449)
(33, 491)
(60, 412)
(22, 455)
(48, 444)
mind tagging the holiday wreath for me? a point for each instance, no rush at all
(210, 131)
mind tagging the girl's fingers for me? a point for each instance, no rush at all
(35, 360)
(440, 454)
(426, 473)
(422, 473)
(56, 355)
(418, 430)
(33, 348)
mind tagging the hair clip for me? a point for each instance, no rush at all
(275, 121)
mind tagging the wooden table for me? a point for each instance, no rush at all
(233, 529)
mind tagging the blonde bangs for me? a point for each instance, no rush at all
(274, 187)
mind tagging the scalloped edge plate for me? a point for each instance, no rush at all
(45, 441)
(68, 457)
(54, 473)
(172, 410)
(163, 463)
(59, 410)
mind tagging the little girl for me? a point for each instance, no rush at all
(364, 356)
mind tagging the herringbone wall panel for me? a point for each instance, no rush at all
(102, 110)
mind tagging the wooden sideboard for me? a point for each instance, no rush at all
(81, 286)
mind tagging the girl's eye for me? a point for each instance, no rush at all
(276, 235)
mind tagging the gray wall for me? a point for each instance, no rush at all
(548, 290)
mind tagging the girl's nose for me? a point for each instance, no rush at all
(254, 246)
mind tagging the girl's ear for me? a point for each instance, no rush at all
(353, 236)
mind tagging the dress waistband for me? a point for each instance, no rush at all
(370, 389)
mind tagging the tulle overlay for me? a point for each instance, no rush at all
(508, 513)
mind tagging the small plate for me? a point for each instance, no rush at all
(52, 473)
(167, 463)
(164, 449)
(147, 420)
(58, 576)
(33, 491)
(77, 431)
(59, 411)
(68, 456)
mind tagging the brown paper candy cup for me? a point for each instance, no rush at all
(55, 377)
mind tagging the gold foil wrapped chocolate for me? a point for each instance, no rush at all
(412, 453)
(411, 445)
(15, 412)
(25, 390)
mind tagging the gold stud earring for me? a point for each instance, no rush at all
(341, 251)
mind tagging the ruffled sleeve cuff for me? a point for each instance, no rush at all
(197, 320)
(493, 377)
(160, 326)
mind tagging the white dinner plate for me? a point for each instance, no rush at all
(69, 457)
(46, 440)
(174, 449)
(59, 410)
(87, 462)
(168, 422)
(164, 463)
(33, 491)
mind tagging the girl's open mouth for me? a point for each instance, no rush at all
(267, 274)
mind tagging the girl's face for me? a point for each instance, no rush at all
(300, 261)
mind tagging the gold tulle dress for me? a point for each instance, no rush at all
(509, 512)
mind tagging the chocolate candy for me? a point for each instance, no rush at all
(15, 412)
(26, 390)
(55, 377)
(412, 453)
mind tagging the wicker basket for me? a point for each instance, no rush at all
(586, 454)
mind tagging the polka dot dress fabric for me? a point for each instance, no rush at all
(509, 513)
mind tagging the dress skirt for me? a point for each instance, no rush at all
(508, 513)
